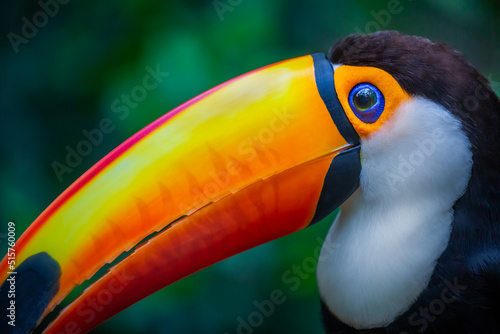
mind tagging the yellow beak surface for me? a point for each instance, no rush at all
(237, 166)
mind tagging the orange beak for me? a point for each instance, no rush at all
(249, 161)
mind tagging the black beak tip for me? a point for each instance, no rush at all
(26, 293)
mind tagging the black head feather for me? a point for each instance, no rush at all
(437, 72)
(431, 70)
(441, 74)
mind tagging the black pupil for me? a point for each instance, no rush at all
(364, 99)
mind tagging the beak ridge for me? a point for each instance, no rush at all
(256, 158)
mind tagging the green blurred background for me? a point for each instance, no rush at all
(64, 79)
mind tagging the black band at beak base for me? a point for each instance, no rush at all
(342, 178)
(323, 71)
(341, 181)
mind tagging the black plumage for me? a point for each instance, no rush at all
(463, 295)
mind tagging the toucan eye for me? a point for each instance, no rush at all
(367, 102)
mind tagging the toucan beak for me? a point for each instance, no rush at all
(256, 158)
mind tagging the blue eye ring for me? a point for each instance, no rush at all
(367, 102)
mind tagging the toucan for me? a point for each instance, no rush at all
(400, 133)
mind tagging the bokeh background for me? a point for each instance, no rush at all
(64, 79)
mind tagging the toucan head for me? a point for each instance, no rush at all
(381, 119)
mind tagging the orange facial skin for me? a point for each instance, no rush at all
(346, 77)
(235, 167)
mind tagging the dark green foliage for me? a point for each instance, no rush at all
(67, 77)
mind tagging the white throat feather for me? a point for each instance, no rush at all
(391, 231)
